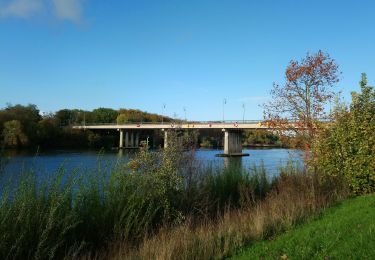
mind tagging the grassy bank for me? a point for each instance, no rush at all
(345, 231)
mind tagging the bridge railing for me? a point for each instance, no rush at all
(225, 122)
(239, 122)
(176, 123)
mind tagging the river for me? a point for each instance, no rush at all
(44, 163)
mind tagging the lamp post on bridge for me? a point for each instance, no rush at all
(185, 113)
(162, 116)
(243, 115)
(224, 103)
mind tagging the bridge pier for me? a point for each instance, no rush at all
(131, 139)
(165, 138)
(121, 143)
(126, 139)
(232, 143)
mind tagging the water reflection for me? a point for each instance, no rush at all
(233, 162)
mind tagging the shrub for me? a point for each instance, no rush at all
(347, 146)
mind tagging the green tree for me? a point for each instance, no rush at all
(28, 116)
(13, 134)
(65, 117)
(260, 137)
(347, 147)
(122, 118)
(104, 115)
(49, 133)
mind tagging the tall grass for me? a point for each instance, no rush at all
(218, 190)
(295, 196)
(159, 205)
(37, 221)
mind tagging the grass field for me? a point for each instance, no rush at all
(345, 231)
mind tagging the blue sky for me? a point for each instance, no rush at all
(141, 54)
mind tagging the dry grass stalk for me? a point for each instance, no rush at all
(295, 197)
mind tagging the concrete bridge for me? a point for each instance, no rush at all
(232, 130)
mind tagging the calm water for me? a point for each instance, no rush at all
(48, 162)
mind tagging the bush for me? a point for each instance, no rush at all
(347, 147)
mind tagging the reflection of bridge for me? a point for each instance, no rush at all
(232, 132)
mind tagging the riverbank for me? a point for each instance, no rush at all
(345, 231)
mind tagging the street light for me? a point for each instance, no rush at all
(185, 113)
(243, 115)
(224, 102)
(162, 114)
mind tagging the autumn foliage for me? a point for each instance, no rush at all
(298, 107)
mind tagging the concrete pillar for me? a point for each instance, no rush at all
(232, 142)
(226, 142)
(165, 138)
(126, 139)
(136, 139)
(131, 139)
(121, 139)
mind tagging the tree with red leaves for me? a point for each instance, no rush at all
(299, 105)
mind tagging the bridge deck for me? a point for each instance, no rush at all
(199, 125)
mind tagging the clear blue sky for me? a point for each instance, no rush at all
(141, 54)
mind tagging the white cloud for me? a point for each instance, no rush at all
(21, 8)
(68, 10)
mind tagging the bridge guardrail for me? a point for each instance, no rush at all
(238, 122)
(176, 123)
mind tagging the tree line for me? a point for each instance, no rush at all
(26, 126)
